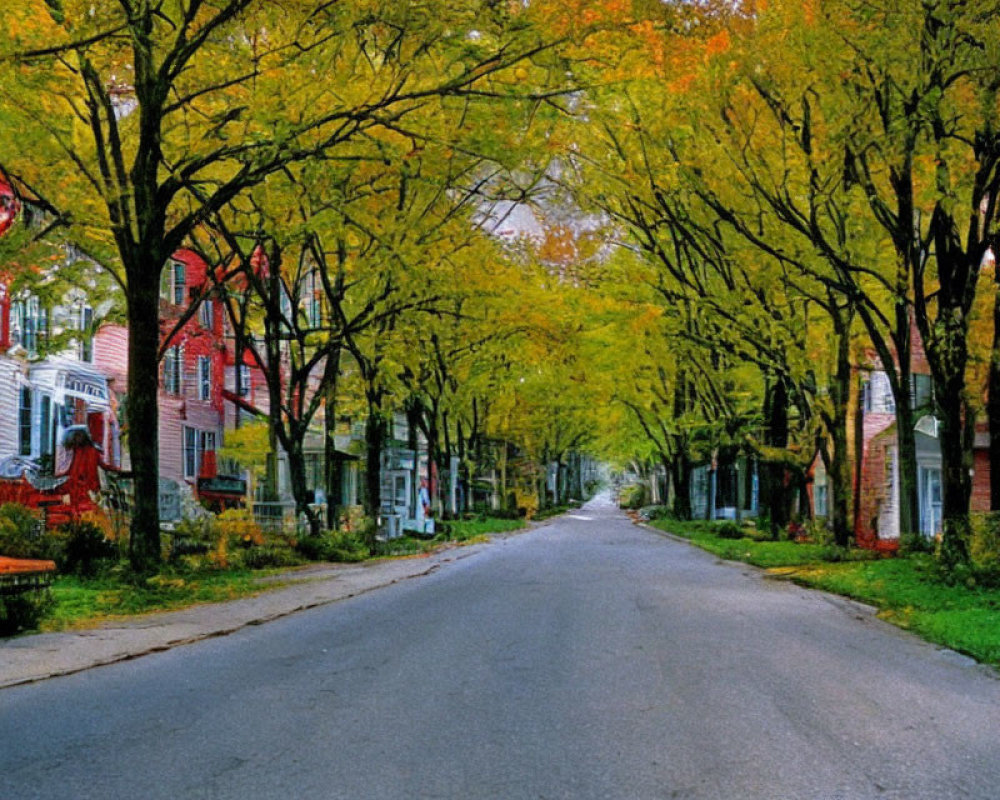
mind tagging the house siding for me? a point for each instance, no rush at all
(9, 383)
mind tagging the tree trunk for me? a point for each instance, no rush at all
(838, 468)
(681, 475)
(993, 401)
(775, 490)
(332, 465)
(143, 416)
(374, 441)
(906, 439)
(957, 430)
(297, 478)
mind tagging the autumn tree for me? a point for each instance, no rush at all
(921, 89)
(137, 121)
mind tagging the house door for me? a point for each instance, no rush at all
(930, 501)
(401, 493)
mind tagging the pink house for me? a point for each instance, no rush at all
(193, 372)
(86, 382)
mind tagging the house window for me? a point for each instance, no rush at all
(820, 500)
(931, 500)
(196, 444)
(30, 324)
(243, 380)
(85, 345)
(312, 302)
(206, 312)
(204, 378)
(172, 283)
(172, 370)
(178, 283)
(921, 391)
(877, 393)
(45, 425)
(24, 422)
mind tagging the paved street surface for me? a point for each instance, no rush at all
(586, 659)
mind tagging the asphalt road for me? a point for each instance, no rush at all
(586, 659)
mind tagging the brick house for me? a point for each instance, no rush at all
(872, 419)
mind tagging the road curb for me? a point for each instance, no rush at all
(38, 657)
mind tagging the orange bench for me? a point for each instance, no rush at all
(24, 574)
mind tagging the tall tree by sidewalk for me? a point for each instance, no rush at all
(922, 89)
(137, 121)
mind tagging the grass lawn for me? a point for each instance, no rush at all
(86, 602)
(467, 530)
(908, 591)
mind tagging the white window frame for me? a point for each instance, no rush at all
(196, 443)
(878, 394)
(204, 378)
(45, 423)
(25, 420)
(206, 313)
(173, 282)
(173, 370)
(178, 275)
(30, 323)
(244, 381)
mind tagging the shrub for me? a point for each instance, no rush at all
(910, 543)
(342, 546)
(85, 551)
(402, 546)
(816, 531)
(313, 548)
(833, 554)
(22, 534)
(527, 502)
(269, 555)
(23, 611)
(728, 530)
(187, 547)
(501, 513)
(984, 543)
(653, 513)
(633, 496)
(238, 526)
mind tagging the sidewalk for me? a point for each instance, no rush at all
(36, 657)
